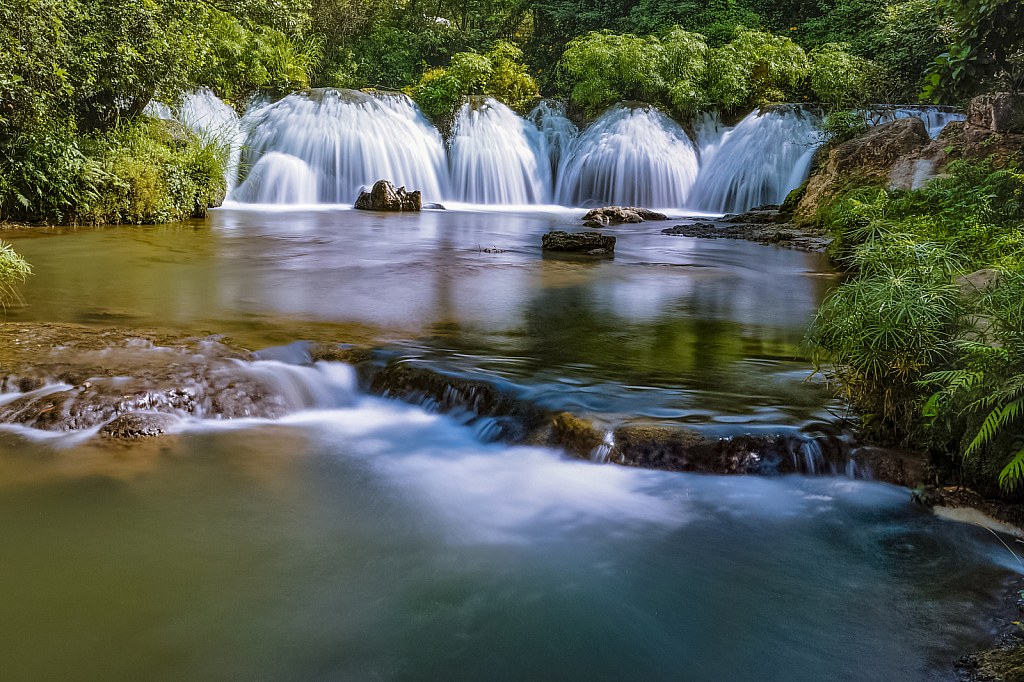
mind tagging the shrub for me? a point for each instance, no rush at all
(609, 67)
(500, 74)
(838, 78)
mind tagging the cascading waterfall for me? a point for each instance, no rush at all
(205, 113)
(935, 117)
(708, 131)
(630, 156)
(559, 132)
(348, 140)
(758, 162)
(496, 157)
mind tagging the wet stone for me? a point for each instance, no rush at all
(593, 243)
(136, 425)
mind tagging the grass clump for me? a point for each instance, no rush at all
(13, 271)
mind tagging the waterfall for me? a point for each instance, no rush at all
(559, 131)
(708, 131)
(209, 116)
(278, 179)
(348, 140)
(630, 156)
(758, 162)
(496, 157)
(935, 117)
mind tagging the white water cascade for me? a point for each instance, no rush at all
(935, 117)
(559, 132)
(630, 156)
(348, 140)
(758, 162)
(206, 114)
(496, 157)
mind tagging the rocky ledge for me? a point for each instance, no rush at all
(764, 224)
(616, 215)
(384, 197)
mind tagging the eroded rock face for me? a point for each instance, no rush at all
(869, 157)
(384, 197)
(593, 243)
(616, 215)
(997, 113)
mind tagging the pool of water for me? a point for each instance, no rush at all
(705, 332)
(359, 538)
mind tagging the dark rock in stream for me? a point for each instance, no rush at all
(763, 225)
(593, 243)
(616, 215)
(384, 197)
(136, 425)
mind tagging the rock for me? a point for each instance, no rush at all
(432, 207)
(578, 242)
(614, 215)
(865, 160)
(135, 425)
(384, 197)
(973, 285)
(998, 113)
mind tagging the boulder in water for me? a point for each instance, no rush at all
(614, 215)
(384, 197)
(136, 425)
(593, 243)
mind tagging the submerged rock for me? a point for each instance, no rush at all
(593, 243)
(384, 197)
(135, 425)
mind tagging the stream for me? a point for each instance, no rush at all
(356, 537)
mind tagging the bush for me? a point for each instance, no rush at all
(608, 67)
(919, 359)
(838, 78)
(499, 74)
(138, 172)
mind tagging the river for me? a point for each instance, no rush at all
(361, 538)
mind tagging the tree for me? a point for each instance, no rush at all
(988, 38)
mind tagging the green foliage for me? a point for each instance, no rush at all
(917, 355)
(499, 74)
(988, 37)
(137, 172)
(608, 67)
(775, 64)
(13, 271)
(241, 59)
(838, 78)
(840, 126)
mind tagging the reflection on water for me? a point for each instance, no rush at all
(713, 325)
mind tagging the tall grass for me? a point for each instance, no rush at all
(13, 271)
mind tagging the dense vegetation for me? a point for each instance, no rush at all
(924, 353)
